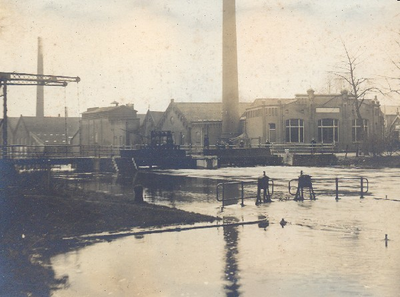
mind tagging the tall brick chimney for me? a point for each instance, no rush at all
(40, 88)
(230, 89)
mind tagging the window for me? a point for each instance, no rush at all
(272, 126)
(272, 132)
(328, 130)
(294, 130)
(357, 135)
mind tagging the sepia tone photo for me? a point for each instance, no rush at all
(165, 148)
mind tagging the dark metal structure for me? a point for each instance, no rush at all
(263, 186)
(26, 79)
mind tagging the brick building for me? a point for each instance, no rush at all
(110, 126)
(326, 118)
(194, 122)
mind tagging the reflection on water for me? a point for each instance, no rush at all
(231, 237)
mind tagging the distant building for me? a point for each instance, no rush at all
(195, 122)
(392, 121)
(326, 118)
(110, 126)
(42, 131)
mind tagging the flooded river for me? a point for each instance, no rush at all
(328, 247)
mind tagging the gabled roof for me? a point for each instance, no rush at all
(156, 116)
(205, 111)
(200, 111)
(50, 130)
(12, 123)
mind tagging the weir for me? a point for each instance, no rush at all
(266, 189)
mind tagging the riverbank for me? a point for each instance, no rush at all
(68, 214)
(34, 222)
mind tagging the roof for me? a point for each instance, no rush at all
(271, 101)
(156, 115)
(12, 123)
(100, 109)
(121, 110)
(50, 130)
(141, 117)
(205, 111)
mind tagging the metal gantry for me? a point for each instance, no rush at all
(26, 79)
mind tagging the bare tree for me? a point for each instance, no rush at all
(359, 88)
(394, 81)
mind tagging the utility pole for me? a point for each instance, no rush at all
(26, 79)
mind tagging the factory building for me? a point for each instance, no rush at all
(110, 126)
(324, 118)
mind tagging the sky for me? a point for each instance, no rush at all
(147, 52)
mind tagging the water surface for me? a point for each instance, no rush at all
(328, 248)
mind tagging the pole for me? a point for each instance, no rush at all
(337, 188)
(242, 194)
(362, 188)
(5, 120)
(223, 194)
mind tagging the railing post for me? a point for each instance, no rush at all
(362, 188)
(223, 194)
(242, 193)
(337, 188)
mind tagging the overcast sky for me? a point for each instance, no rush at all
(146, 52)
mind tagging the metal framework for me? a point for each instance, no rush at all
(26, 79)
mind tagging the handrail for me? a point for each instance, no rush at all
(220, 189)
(364, 184)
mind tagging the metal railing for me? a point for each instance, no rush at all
(233, 192)
(240, 190)
(275, 148)
(40, 151)
(61, 151)
(303, 148)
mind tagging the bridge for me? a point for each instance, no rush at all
(125, 159)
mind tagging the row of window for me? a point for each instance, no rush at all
(328, 130)
(269, 111)
(44, 134)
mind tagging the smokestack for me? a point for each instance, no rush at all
(230, 89)
(40, 88)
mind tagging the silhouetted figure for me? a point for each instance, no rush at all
(206, 142)
(313, 142)
(283, 222)
(138, 190)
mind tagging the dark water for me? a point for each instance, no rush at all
(328, 247)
